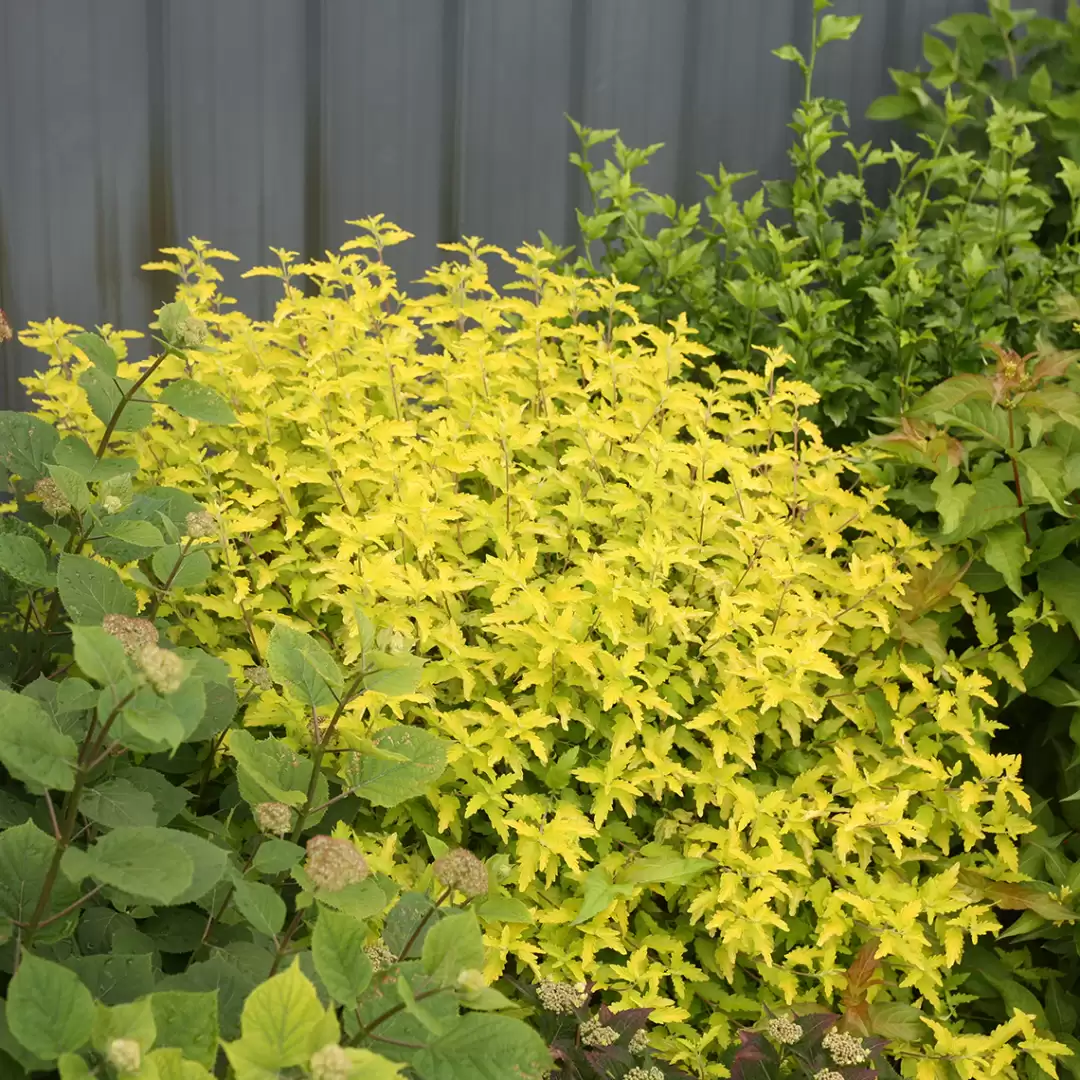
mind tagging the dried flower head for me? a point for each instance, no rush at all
(333, 864)
(273, 817)
(593, 1033)
(380, 956)
(844, 1049)
(462, 870)
(131, 631)
(5, 327)
(200, 523)
(786, 1032)
(163, 668)
(639, 1073)
(52, 498)
(639, 1042)
(561, 998)
(124, 1055)
(258, 676)
(190, 332)
(330, 1063)
(828, 1074)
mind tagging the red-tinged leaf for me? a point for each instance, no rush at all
(627, 1020)
(930, 585)
(1054, 365)
(860, 1073)
(1013, 896)
(860, 976)
(950, 393)
(815, 1025)
(856, 1018)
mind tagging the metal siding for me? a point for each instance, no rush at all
(130, 124)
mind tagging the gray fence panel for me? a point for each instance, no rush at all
(128, 125)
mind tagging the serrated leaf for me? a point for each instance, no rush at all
(337, 948)
(24, 559)
(31, 747)
(1005, 551)
(97, 350)
(197, 401)
(600, 893)
(144, 861)
(260, 905)
(100, 655)
(387, 783)
(72, 486)
(139, 533)
(265, 766)
(193, 570)
(48, 1009)
(504, 909)
(663, 870)
(304, 666)
(187, 1020)
(395, 675)
(105, 393)
(26, 444)
(117, 802)
(89, 591)
(837, 28)
(1059, 580)
(485, 1046)
(26, 853)
(277, 856)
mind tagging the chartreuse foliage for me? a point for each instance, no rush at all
(880, 270)
(673, 650)
(169, 911)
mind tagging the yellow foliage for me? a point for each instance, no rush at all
(660, 619)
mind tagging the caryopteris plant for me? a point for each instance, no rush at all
(670, 646)
(179, 896)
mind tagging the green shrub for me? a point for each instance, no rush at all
(875, 303)
(1020, 60)
(163, 909)
(666, 641)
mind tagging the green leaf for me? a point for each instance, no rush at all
(1044, 471)
(97, 350)
(504, 909)
(169, 1063)
(892, 107)
(895, 1020)
(277, 856)
(139, 533)
(32, 749)
(600, 894)
(1005, 552)
(396, 674)
(221, 976)
(406, 916)
(144, 861)
(89, 591)
(134, 1020)
(209, 861)
(116, 978)
(194, 570)
(664, 870)
(169, 318)
(1060, 582)
(24, 559)
(75, 454)
(791, 54)
(837, 28)
(453, 945)
(485, 1046)
(337, 948)
(992, 504)
(187, 1020)
(72, 486)
(48, 1009)
(26, 853)
(260, 905)
(283, 1023)
(387, 783)
(117, 802)
(360, 901)
(264, 766)
(430, 1020)
(26, 444)
(105, 393)
(72, 1067)
(1041, 86)
(100, 655)
(304, 666)
(197, 402)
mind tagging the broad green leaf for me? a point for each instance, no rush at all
(210, 863)
(169, 800)
(485, 1046)
(1006, 553)
(992, 504)
(387, 783)
(1044, 473)
(100, 655)
(260, 905)
(170, 1064)
(116, 978)
(283, 1023)
(75, 454)
(360, 901)
(277, 856)
(48, 1009)
(97, 350)
(147, 723)
(25, 855)
(305, 666)
(26, 444)
(134, 1020)
(193, 570)
(144, 861)
(664, 870)
(139, 533)
(395, 674)
(1060, 582)
(504, 909)
(169, 318)
(90, 591)
(197, 402)
(892, 107)
(105, 393)
(791, 54)
(117, 802)
(952, 499)
(600, 893)
(837, 28)
(453, 945)
(31, 748)
(72, 1067)
(221, 976)
(430, 1020)
(407, 915)
(187, 1020)
(337, 948)
(72, 486)
(75, 695)
(24, 559)
(264, 766)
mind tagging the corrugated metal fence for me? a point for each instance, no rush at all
(127, 125)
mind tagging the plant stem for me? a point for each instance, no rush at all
(279, 952)
(422, 923)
